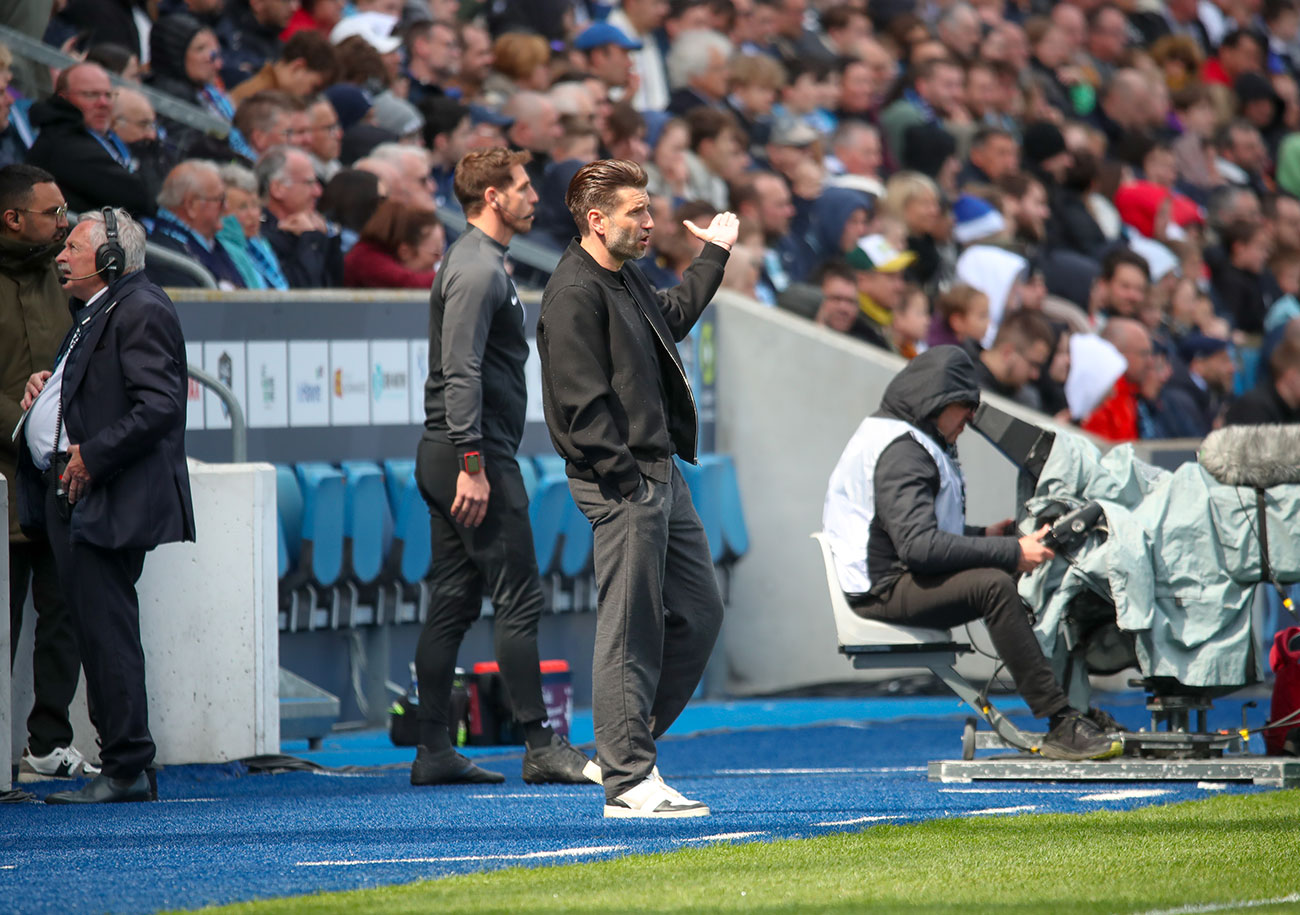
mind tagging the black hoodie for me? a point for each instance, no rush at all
(905, 535)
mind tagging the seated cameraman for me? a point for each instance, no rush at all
(895, 515)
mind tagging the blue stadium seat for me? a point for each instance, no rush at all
(575, 555)
(528, 470)
(282, 548)
(549, 465)
(411, 552)
(735, 533)
(367, 524)
(322, 522)
(547, 513)
(288, 505)
(704, 481)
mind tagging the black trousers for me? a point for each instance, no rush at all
(944, 601)
(496, 557)
(99, 586)
(658, 615)
(56, 663)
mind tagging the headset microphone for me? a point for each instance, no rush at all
(64, 279)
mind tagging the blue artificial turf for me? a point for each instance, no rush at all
(220, 835)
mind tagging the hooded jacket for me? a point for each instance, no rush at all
(829, 216)
(87, 173)
(34, 315)
(911, 476)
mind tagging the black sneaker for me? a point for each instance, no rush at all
(1077, 737)
(559, 762)
(447, 767)
(1105, 721)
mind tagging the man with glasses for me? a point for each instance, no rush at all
(77, 145)
(264, 120)
(191, 207)
(34, 314)
(308, 247)
(135, 122)
(326, 138)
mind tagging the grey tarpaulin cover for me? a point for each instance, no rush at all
(1181, 562)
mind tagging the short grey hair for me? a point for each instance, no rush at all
(689, 56)
(129, 232)
(396, 153)
(271, 167)
(239, 178)
(185, 179)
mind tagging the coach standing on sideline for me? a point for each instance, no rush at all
(102, 469)
(475, 402)
(619, 407)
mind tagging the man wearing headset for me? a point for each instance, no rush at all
(475, 401)
(102, 470)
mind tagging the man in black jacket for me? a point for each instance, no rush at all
(308, 246)
(895, 516)
(92, 165)
(102, 470)
(618, 407)
(475, 401)
(1277, 399)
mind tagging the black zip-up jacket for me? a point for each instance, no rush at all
(475, 396)
(617, 402)
(904, 534)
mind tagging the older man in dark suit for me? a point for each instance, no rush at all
(102, 469)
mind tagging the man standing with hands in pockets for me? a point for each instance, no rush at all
(618, 407)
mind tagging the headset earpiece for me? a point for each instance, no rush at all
(110, 259)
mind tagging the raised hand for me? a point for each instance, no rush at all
(724, 230)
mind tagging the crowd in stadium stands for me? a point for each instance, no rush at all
(1100, 199)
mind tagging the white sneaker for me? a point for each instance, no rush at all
(653, 798)
(61, 762)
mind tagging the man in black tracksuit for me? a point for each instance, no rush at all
(896, 518)
(475, 401)
(619, 407)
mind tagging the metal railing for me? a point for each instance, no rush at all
(238, 425)
(203, 278)
(166, 105)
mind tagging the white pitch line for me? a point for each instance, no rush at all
(1223, 906)
(856, 820)
(536, 795)
(989, 810)
(189, 800)
(1212, 786)
(8, 867)
(1025, 790)
(724, 836)
(875, 770)
(1124, 794)
(529, 856)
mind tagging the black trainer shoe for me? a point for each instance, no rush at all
(559, 762)
(1077, 737)
(447, 767)
(1105, 721)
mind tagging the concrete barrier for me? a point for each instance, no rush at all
(208, 626)
(6, 697)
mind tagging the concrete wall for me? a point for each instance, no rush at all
(6, 699)
(208, 626)
(791, 396)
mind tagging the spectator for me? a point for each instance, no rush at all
(674, 247)
(1108, 35)
(16, 134)
(844, 28)
(812, 87)
(932, 97)
(319, 16)
(839, 309)
(763, 199)
(932, 151)
(400, 248)
(717, 156)
(856, 158)
(994, 154)
(606, 50)
(1020, 352)
(350, 198)
(432, 59)
(575, 101)
(1237, 284)
(839, 217)
(880, 284)
(958, 27)
(976, 221)
(794, 40)
(362, 65)
(1240, 52)
(1121, 289)
(697, 71)
(991, 96)
(304, 67)
(911, 323)
(754, 81)
(191, 207)
(961, 318)
(1116, 419)
(1026, 209)
(1204, 380)
(136, 125)
(414, 186)
(96, 22)
(1174, 17)
(638, 20)
(1242, 156)
(34, 313)
(250, 36)
(860, 94)
(326, 138)
(625, 134)
(536, 129)
(91, 164)
(998, 274)
(309, 250)
(116, 59)
(519, 62)
(914, 199)
(1259, 104)
(241, 231)
(264, 121)
(669, 168)
(447, 126)
(1277, 399)
(475, 62)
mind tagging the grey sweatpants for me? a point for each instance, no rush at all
(658, 614)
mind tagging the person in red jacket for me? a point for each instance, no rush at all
(1117, 416)
(400, 248)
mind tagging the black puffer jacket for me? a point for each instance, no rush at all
(905, 534)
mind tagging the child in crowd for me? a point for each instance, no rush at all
(961, 318)
(911, 324)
